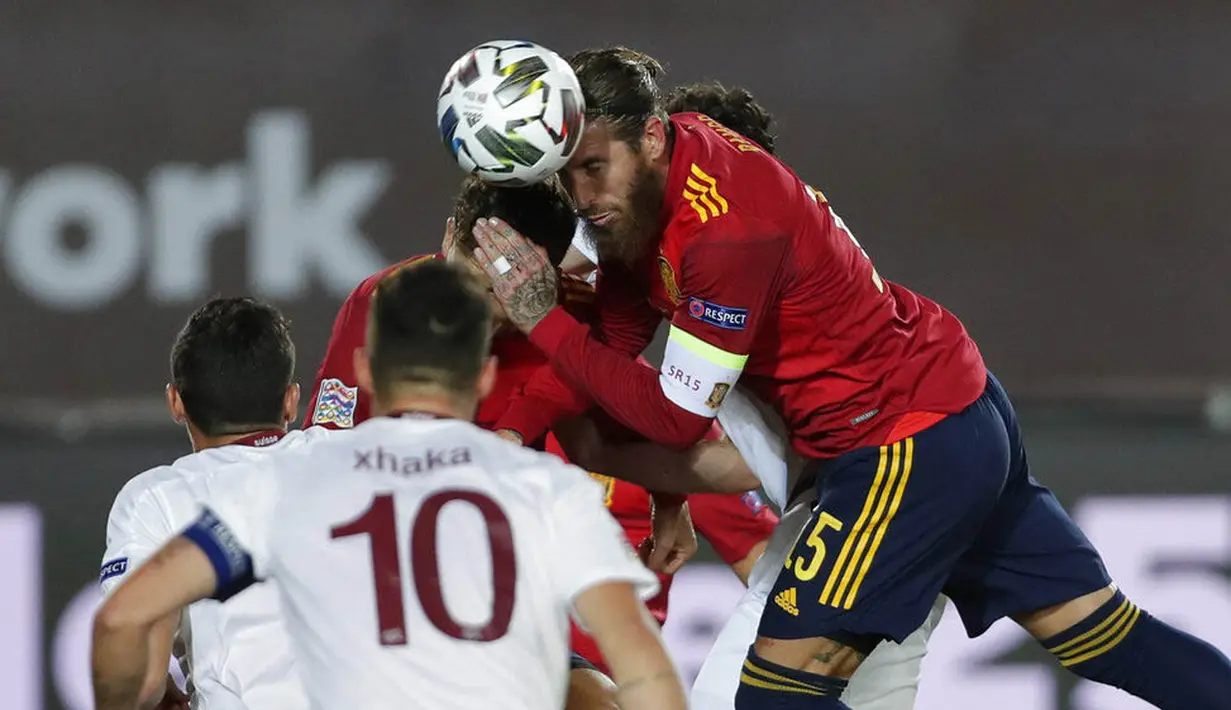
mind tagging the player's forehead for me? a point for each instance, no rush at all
(597, 143)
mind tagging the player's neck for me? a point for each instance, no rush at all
(434, 401)
(201, 441)
(668, 151)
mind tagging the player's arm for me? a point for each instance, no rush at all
(743, 567)
(595, 569)
(737, 527)
(629, 640)
(732, 284)
(123, 666)
(136, 527)
(209, 559)
(623, 321)
(336, 375)
(712, 465)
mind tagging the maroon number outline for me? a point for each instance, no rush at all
(379, 523)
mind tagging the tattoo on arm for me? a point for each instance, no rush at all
(531, 300)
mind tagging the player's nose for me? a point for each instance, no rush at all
(585, 198)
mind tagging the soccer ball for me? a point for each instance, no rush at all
(511, 112)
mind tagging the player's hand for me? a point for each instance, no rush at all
(673, 540)
(524, 280)
(446, 244)
(510, 435)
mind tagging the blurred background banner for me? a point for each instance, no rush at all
(1052, 172)
(1056, 174)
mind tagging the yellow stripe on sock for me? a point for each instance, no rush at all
(758, 683)
(1110, 640)
(1115, 615)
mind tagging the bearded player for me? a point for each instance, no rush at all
(922, 481)
(737, 526)
(889, 679)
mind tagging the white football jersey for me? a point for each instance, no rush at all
(422, 562)
(235, 655)
(760, 437)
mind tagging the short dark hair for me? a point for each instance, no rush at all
(231, 363)
(733, 107)
(542, 212)
(429, 323)
(620, 86)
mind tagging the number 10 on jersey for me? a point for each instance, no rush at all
(379, 523)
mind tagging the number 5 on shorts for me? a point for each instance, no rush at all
(806, 571)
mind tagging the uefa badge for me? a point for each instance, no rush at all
(335, 404)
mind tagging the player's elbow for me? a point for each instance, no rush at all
(119, 615)
(113, 617)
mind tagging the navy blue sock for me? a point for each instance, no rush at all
(1122, 646)
(769, 686)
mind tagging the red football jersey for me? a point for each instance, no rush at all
(763, 283)
(733, 525)
(336, 400)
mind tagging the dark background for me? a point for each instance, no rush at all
(1055, 173)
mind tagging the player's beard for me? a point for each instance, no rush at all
(635, 227)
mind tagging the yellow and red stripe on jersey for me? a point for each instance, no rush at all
(701, 192)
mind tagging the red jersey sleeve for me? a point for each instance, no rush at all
(623, 321)
(733, 524)
(336, 401)
(732, 283)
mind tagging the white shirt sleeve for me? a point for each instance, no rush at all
(759, 443)
(589, 548)
(584, 243)
(137, 527)
(239, 504)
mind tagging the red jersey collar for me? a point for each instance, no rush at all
(260, 438)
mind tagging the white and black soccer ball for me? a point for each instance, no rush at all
(511, 112)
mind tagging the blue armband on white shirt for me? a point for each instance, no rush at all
(232, 564)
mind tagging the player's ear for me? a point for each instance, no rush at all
(487, 378)
(290, 403)
(654, 140)
(363, 371)
(175, 405)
